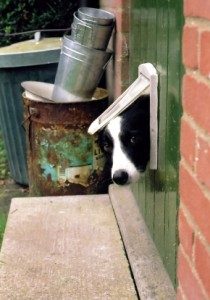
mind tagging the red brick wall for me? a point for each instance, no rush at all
(194, 213)
(121, 9)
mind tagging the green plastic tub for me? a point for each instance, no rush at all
(28, 60)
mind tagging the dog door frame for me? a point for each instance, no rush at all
(149, 71)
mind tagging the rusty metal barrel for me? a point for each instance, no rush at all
(63, 159)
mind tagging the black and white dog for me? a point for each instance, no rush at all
(126, 142)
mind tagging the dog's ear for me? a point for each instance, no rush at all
(102, 141)
(101, 138)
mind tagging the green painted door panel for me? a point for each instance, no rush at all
(155, 36)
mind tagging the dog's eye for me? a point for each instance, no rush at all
(107, 147)
(133, 140)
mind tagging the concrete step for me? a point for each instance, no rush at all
(64, 248)
(80, 247)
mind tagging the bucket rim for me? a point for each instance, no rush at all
(93, 19)
(92, 24)
(38, 98)
(69, 38)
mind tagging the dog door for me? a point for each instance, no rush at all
(147, 80)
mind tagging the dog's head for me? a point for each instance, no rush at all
(126, 142)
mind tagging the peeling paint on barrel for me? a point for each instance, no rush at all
(62, 158)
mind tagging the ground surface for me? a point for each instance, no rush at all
(8, 190)
(4, 170)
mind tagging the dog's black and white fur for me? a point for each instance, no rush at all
(126, 142)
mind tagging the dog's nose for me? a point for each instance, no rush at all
(120, 177)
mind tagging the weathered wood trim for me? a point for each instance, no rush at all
(151, 278)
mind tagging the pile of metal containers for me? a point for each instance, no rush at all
(84, 55)
(63, 159)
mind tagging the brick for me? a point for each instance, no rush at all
(115, 4)
(196, 100)
(190, 46)
(202, 264)
(121, 72)
(179, 294)
(189, 283)
(197, 8)
(122, 21)
(203, 162)
(186, 234)
(120, 88)
(121, 63)
(195, 201)
(122, 46)
(188, 142)
(204, 60)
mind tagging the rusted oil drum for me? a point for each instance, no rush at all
(63, 159)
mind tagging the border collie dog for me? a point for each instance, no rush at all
(126, 142)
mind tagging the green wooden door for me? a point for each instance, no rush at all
(155, 36)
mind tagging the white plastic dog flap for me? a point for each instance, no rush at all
(149, 71)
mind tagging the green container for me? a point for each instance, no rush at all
(29, 60)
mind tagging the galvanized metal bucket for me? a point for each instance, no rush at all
(92, 35)
(79, 71)
(96, 15)
(63, 158)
